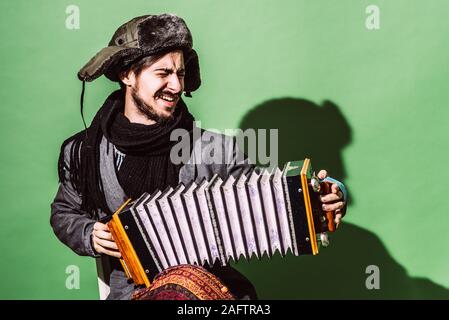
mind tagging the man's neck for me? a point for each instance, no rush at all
(132, 113)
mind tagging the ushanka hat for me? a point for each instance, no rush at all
(140, 37)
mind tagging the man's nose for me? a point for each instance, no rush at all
(175, 83)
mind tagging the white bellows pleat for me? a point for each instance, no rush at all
(217, 221)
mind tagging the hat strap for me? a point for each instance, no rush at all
(82, 106)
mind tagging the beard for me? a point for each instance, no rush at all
(147, 110)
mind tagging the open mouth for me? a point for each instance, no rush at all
(170, 99)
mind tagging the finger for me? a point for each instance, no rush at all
(106, 244)
(331, 197)
(322, 174)
(333, 206)
(101, 226)
(97, 248)
(337, 219)
(334, 188)
(111, 253)
(103, 235)
(100, 249)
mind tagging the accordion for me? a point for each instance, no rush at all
(258, 213)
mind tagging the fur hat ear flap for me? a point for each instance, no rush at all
(192, 79)
(103, 61)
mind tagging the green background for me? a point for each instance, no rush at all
(369, 106)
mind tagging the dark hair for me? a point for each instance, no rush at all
(138, 66)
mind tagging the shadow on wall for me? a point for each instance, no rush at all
(339, 271)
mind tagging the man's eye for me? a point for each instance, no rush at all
(181, 75)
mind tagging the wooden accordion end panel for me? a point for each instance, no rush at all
(255, 214)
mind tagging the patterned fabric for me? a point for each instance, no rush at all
(185, 282)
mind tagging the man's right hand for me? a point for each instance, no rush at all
(103, 241)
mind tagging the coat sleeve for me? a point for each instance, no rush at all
(71, 225)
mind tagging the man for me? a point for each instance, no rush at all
(126, 150)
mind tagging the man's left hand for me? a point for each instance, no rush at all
(333, 201)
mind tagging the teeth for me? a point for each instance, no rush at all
(167, 98)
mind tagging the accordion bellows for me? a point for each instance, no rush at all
(255, 214)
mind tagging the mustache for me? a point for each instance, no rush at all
(170, 94)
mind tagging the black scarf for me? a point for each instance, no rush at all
(146, 165)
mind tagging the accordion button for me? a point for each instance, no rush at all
(224, 289)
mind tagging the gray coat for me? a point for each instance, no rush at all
(74, 227)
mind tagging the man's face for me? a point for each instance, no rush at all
(157, 89)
